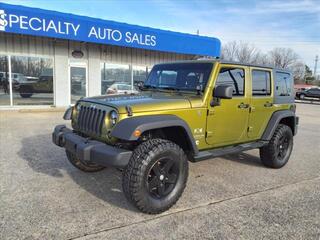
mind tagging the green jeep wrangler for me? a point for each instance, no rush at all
(185, 111)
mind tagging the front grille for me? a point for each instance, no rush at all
(90, 120)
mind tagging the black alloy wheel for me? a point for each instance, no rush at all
(282, 147)
(162, 177)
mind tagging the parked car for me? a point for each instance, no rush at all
(308, 93)
(121, 88)
(31, 85)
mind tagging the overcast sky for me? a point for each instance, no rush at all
(266, 24)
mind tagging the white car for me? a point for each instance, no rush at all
(121, 88)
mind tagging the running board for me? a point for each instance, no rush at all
(217, 152)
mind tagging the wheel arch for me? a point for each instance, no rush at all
(285, 117)
(173, 127)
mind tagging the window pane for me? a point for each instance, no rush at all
(261, 83)
(283, 84)
(233, 77)
(139, 75)
(32, 80)
(4, 81)
(78, 77)
(183, 76)
(112, 75)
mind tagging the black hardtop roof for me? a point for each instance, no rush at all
(228, 62)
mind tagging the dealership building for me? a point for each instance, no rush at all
(49, 58)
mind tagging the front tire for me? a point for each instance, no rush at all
(277, 153)
(83, 166)
(156, 176)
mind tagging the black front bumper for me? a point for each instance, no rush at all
(90, 150)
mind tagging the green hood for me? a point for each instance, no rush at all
(145, 101)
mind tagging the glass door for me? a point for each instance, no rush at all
(78, 81)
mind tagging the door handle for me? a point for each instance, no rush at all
(268, 104)
(243, 105)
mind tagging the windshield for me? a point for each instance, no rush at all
(179, 76)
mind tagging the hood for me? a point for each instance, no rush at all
(144, 101)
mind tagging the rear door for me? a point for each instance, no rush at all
(261, 105)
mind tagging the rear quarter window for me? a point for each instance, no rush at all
(283, 84)
(283, 87)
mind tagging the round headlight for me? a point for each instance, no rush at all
(113, 117)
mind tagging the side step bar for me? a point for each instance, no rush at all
(217, 152)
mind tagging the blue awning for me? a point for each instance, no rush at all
(39, 22)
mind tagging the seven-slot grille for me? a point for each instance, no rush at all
(90, 120)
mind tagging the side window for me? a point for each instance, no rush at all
(314, 91)
(283, 84)
(261, 83)
(233, 77)
(167, 78)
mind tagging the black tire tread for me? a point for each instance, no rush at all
(268, 152)
(136, 168)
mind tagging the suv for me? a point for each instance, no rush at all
(186, 111)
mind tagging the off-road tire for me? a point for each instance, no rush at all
(83, 166)
(269, 154)
(144, 157)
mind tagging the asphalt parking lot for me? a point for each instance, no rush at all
(42, 196)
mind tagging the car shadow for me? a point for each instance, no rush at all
(244, 158)
(307, 101)
(46, 158)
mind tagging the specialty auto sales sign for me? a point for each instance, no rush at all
(38, 22)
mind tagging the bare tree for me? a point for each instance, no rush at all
(228, 51)
(283, 57)
(298, 70)
(278, 57)
(243, 52)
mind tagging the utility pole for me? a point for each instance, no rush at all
(315, 66)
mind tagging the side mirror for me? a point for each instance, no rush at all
(221, 92)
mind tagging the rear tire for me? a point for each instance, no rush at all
(156, 176)
(277, 153)
(83, 166)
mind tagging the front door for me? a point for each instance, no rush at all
(261, 102)
(227, 124)
(78, 81)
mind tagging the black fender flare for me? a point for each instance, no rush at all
(125, 128)
(275, 120)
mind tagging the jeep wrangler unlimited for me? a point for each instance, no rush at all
(186, 111)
